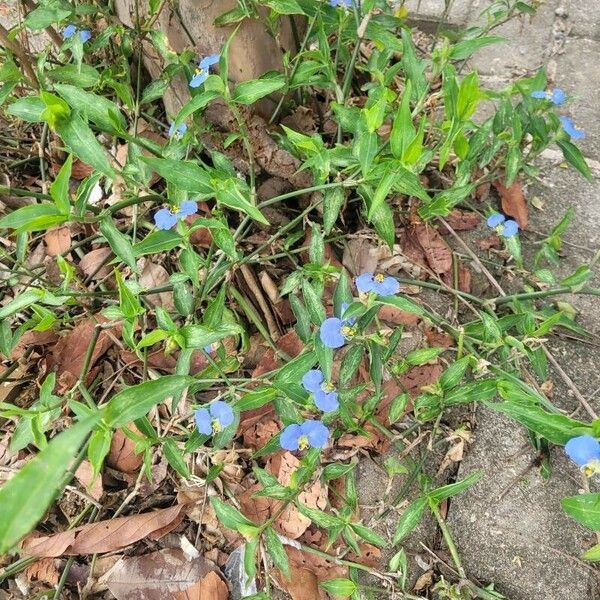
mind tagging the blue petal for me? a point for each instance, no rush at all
(290, 436)
(164, 219)
(570, 128)
(365, 283)
(494, 220)
(312, 380)
(85, 35)
(69, 31)
(210, 348)
(388, 287)
(209, 61)
(203, 421)
(330, 333)
(187, 208)
(316, 432)
(198, 79)
(582, 449)
(558, 97)
(326, 401)
(510, 228)
(177, 132)
(222, 412)
(540, 94)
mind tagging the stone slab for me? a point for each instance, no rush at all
(433, 10)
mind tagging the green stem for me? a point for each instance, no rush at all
(565, 289)
(448, 539)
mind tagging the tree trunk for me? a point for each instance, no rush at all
(252, 52)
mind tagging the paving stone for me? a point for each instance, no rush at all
(584, 19)
(578, 73)
(528, 41)
(432, 10)
(510, 528)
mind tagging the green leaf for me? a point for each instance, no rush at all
(468, 96)
(134, 402)
(257, 398)
(96, 108)
(340, 588)
(382, 220)
(28, 494)
(403, 304)
(398, 407)
(574, 157)
(31, 217)
(248, 92)
(198, 336)
(276, 551)
(29, 109)
(174, 456)
(79, 139)
(59, 189)
(285, 7)
(118, 242)
(592, 554)
(98, 448)
(157, 241)
(446, 491)
(369, 535)
(196, 103)
(44, 16)
(403, 129)
(332, 205)
(84, 76)
(585, 509)
(466, 48)
(409, 519)
(184, 174)
(233, 193)
(294, 370)
(229, 516)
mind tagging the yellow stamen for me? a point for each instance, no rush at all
(379, 278)
(327, 386)
(348, 331)
(303, 443)
(592, 468)
(216, 425)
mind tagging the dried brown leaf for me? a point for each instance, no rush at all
(106, 536)
(165, 575)
(417, 377)
(122, 456)
(461, 220)
(93, 263)
(58, 240)
(45, 570)
(303, 584)
(155, 275)
(436, 250)
(85, 476)
(513, 201)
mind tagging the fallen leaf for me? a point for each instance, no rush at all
(424, 581)
(155, 275)
(165, 575)
(256, 435)
(33, 338)
(58, 240)
(391, 314)
(45, 570)
(303, 584)
(93, 263)
(513, 201)
(85, 476)
(257, 509)
(106, 536)
(68, 354)
(417, 377)
(323, 568)
(211, 587)
(80, 170)
(454, 454)
(461, 220)
(438, 339)
(437, 252)
(157, 360)
(122, 456)
(492, 241)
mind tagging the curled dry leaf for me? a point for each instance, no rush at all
(33, 338)
(155, 275)
(165, 575)
(93, 264)
(122, 456)
(85, 476)
(303, 584)
(58, 240)
(323, 568)
(107, 536)
(436, 250)
(454, 454)
(45, 569)
(513, 201)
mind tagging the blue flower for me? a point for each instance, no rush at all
(556, 96)
(326, 396)
(342, 3)
(70, 30)
(570, 128)
(215, 418)
(203, 70)
(166, 219)
(334, 332)
(584, 451)
(177, 132)
(505, 228)
(310, 434)
(380, 284)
